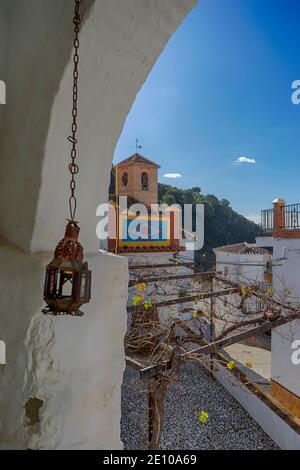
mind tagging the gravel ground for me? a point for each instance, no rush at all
(229, 427)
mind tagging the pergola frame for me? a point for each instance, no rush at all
(154, 372)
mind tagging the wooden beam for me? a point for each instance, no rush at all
(260, 295)
(207, 275)
(151, 371)
(223, 343)
(191, 298)
(187, 264)
(174, 264)
(133, 363)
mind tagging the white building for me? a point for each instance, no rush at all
(283, 228)
(244, 263)
(281, 269)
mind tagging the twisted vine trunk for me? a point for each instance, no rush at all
(157, 388)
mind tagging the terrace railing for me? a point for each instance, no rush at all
(267, 220)
(287, 218)
(291, 217)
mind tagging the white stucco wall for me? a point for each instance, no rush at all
(286, 281)
(74, 366)
(281, 433)
(120, 42)
(245, 269)
(242, 267)
(286, 275)
(164, 290)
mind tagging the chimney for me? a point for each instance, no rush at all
(279, 216)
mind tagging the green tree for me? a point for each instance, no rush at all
(168, 199)
(222, 225)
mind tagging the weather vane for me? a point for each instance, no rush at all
(137, 145)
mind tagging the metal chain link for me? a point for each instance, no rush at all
(73, 167)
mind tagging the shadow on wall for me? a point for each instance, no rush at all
(40, 85)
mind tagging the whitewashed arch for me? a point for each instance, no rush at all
(120, 42)
(70, 369)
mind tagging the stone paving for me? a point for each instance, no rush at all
(229, 426)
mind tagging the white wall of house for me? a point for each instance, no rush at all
(163, 290)
(286, 281)
(74, 366)
(284, 435)
(242, 267)
(245, 269)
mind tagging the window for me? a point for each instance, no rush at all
(145, 182)
(124, 179)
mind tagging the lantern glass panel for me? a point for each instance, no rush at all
(82, 286)
(52, 282)
(66, 284)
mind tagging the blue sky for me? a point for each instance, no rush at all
(221, 90)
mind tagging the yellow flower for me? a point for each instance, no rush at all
(138, 299)
(141, 286)
(230, 365)
(195, 313)
(244, 291)
(249, 363)
(148, 304)
(269, 291)
(203, 417)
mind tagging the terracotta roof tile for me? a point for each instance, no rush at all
(243, 249)
(137, 158)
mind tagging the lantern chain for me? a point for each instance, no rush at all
(73, 167)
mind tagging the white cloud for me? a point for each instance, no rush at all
(242, 160)
(172, 175)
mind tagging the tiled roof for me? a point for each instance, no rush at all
(243, 249)
(137, 158)
(130, 202)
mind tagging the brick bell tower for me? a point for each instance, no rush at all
(136, 177)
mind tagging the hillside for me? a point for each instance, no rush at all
(222, 226)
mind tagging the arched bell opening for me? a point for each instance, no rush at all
(145, 182)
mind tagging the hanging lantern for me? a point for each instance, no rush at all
(268, 274)
(68, 279)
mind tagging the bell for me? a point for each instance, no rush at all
(68, 279)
